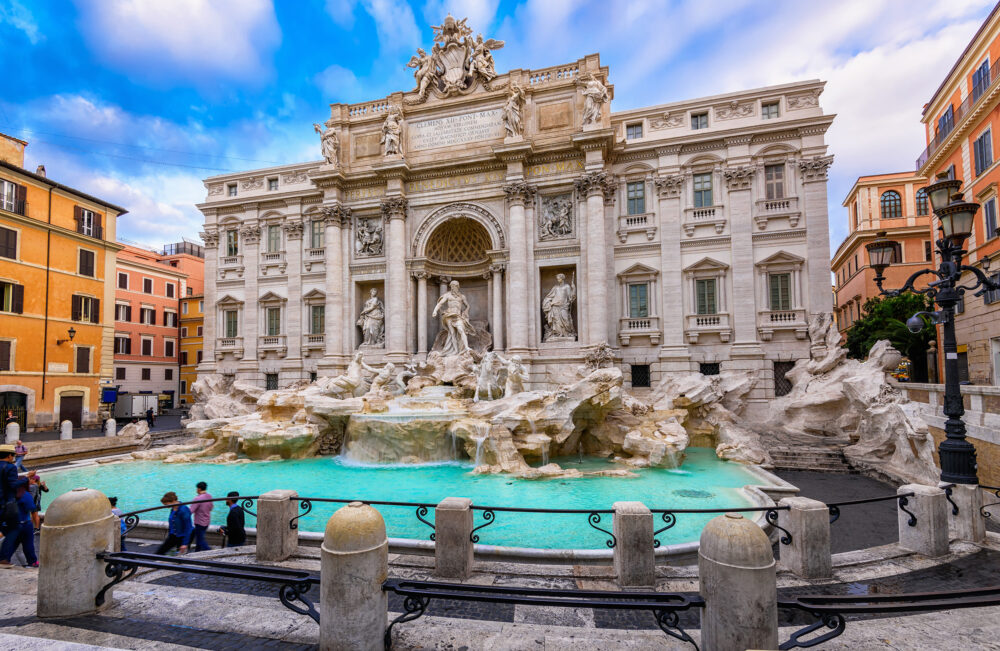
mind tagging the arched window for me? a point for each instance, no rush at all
(892, 205)
(921, 202)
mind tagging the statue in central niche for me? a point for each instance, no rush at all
(454, 311)
(372, 321)
(558, 309)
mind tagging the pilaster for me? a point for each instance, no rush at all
(396, 285)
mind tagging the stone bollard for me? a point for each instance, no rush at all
(66, 430)
(77, 526)
(929, 535)
(110, 427)
(739, 584)
(969, 523)
(276, 540)
(634, 555)
(452, 538)
(12, 433)
(354, 611)
(808, 522)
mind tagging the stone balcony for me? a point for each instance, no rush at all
(767, 209)
(230, 266)
(714, 216)
(704, 324)
(272, 263)
(314, 259)
(647, 326)
(642, 223)
(229, 345)
(312, 343)
(276, 344)
(770, 321)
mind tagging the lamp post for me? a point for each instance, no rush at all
(958, 455)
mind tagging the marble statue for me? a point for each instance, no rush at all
(424, 70)
(595, 96)
(392, 133)
(369, 238)
(352, 379)
(481, 60)
(372, 321)
(406, 373)
(555, 219)
(558, 309)
(517, 375)
(512, 123)
(380, 383)
(329, 143)
(488, 377)
(454, 311)
(456, 63)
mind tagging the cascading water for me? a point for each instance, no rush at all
(545, 453)
(482, 431)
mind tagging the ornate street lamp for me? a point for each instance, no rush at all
(958, 455)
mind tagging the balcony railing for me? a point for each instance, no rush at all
(646, 326)
(312, 342)
(229, 342)
(11, 205)
(231, 261)
(765, 209)
(316, 253)
(704, 216)
(271, 341)
(642, 223)
(705, 212)
(768, 321)
(272, 258)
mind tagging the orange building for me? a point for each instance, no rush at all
(190, 259)
(57, 259)
(959, 121)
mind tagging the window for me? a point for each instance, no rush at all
(928, 252)
(231, 323)
(706, 295)
(273, 238)
(184, 358)
(702, 190)
(273, 321)
(980, 80)
(946, 122)
(168, 374)
(636, 193)
(198, 331)
(709, 369)
(146, 375)
(8, 243)
(198, 357)
(769, 110)
(922, 208)
(123, 345)
(231, 189)
(992, 296)
(201, 306)
(982, 149)
(170, 319)
(122, 280)
(782, 385)
(123, 312)
(774, 181)
(270, 381)
(147, 316)
(184, 331)
(232, 242)
(12, 197)
(168, 348)
(633, 131)
(120, 373)
(990, 217)
(891, 205)
(87, 222)
(316, 234)
(184, 386)
(317, 319)
(272, 184)
(638, 300)
(640, 375)
(312, 376)
(6, 357)
(147, 285)
(11, 298)
(147, 347)
(950, 172)
(83, 359)
(85, 308)
(190, 291)
(184, 308)
(699, 120)
(170, 290)
(85, 266)
(781, 291)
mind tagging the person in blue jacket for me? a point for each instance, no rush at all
(8, 490)
(180, 525)
(24, 534)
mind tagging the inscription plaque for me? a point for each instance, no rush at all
(455, 130)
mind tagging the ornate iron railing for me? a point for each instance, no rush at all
(305, 505)
(593, 519)
(996, 491)
(131, 519)
(669, 517)
(902, 501)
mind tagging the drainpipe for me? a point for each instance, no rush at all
(45, 334)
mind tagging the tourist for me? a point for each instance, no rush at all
(179, 528)
(11, 418)
(36, 487)
(234, 531)
(20, 451)
(149, 418)
(202, 512)
(23, 534)
(8, 490)
(117, 511)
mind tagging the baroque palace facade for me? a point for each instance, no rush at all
(688, 236)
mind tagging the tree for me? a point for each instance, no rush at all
(885, 318)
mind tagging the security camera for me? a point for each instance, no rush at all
(915, 323)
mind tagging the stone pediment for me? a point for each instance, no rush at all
(638, 269)
(314, 295)
(707, 264)
(229, 300)
(271, 297)
(782, 257)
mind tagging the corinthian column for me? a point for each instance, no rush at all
(518, 193)
(336, 216)
(211, 239)
(598, 187)
(394, 213)
(497, 316)
(421, 277)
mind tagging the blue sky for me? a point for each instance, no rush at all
(137, 101)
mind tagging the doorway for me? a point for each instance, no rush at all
(71, 409)
(16, 402)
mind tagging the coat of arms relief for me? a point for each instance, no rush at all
(457, 62)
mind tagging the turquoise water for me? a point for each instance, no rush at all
(704, 481)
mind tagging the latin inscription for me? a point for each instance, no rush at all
(364, 193)
(455, 130)
(544, 169)
(449, 182)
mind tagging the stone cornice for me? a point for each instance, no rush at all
(637, 249)
(513, 152)
(706, 242)
(790, 234)
(563, 251)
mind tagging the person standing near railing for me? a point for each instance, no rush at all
(23, 534)
(235, 529)
(202, 512)
(179, 528)
(20, 451)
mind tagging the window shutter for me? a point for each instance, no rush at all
(98, 226)
(17, 303)
(83, 360)
(4, 355)
(128, 312)
(78, 216)
(8, 243)
(95, 312)
(76, 309)
(20, 199)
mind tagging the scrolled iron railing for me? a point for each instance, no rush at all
(132, 519)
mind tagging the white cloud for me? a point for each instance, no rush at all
(20, 18)
(161, 206)
(394, 22)
(342, 12)
(190, 39)
(481, 13)
(341, 85)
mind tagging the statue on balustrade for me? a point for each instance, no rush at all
(454, 311)
(558, 309)
(392, 132)
(329, 142)
(372, 322)
(511, 116)
(595, 96)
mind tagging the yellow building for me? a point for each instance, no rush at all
(192, 322)
(57, 262)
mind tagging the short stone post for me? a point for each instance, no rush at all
(354, 611)
(808, 523)
(453, 538)
(110, 427)
(276, 540)
(634, 554)
(969, 523)
(739, 584)
(77, 526)
(12, 433)
(66, 430)
(929, 534)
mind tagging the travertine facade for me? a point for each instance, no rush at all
(690, 234)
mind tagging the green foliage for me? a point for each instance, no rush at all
(885, 318)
